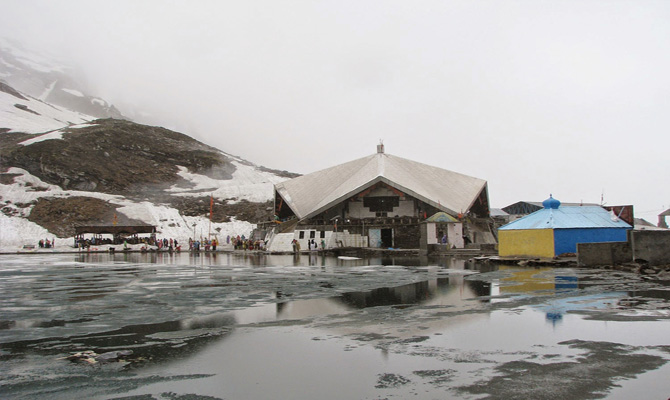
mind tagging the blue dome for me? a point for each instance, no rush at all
(551, 203)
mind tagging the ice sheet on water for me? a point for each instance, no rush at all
(173, 308)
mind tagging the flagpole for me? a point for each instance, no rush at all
(211, 208)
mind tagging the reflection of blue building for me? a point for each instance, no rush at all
(555, 309)
(566, 282)
(554, 316)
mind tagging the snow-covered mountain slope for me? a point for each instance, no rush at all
(19, 197)
(49, 80)
(60, 169)
(23, 113)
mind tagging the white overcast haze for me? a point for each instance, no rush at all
(536, 97)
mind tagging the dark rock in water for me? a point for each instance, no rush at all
(7, 324)
(83, 357)
(114, 355)
(91, 357)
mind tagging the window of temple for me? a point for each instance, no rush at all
(381, 204)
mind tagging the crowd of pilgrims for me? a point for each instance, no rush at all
(82, 242)
(165, 244)
(239, 243)
(242, 243)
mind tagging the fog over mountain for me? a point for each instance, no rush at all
(567, 97)
(46, 79)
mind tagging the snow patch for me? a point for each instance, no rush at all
(73, 92)
(48, 91)
(47, 119)
(41, 138)
(20, 191)
(53, 135)
(16, 231)
(248, 183)
(170, 224)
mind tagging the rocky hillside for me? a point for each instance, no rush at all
(95, 171)
(116, 156)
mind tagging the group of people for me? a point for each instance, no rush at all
(311, 245)
(240, 243)
(205, 244)
(167, 244)
(46, 244)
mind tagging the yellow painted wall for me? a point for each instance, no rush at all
(528, 242)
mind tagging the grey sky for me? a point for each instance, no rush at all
(537, 97)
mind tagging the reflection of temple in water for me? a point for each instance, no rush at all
(439, 291)
(415, 293)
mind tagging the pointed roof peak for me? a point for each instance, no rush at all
(310, 194)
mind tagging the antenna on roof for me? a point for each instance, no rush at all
(380, 147)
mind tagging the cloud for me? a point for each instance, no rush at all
(535, 97)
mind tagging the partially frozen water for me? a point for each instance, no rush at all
(249, 326)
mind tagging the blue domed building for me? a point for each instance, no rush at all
(556, 230)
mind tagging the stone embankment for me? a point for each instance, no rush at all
(653, 272)
(641, 267)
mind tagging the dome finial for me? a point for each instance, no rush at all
(551, 202)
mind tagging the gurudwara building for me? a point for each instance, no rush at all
(377, 201)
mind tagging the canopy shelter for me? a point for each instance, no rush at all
(115, 229)
(120, 233)
(441, 217)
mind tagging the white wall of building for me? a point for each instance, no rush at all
(454, 231)
(431, 233)
(455, 235)
(283, 242)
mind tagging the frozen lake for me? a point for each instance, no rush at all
(249, 326)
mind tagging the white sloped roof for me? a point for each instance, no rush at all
(446, 190)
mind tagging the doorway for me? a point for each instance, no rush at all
(387, 237)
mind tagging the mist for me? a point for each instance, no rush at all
(536, 97)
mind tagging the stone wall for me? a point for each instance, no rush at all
(605, 253)
(423, 239)
(406, 236)
(651, 246)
